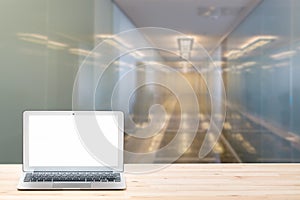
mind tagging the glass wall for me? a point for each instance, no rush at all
(262, 65)
(42, 45)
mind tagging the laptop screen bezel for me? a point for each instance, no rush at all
(26, 167)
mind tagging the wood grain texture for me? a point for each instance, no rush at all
(180, 181)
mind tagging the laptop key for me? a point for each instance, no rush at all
(48, 179)
(110, 179)
(89, 179)
(27, 177)
(97, 179)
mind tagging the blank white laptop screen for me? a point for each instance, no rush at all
(54, 140)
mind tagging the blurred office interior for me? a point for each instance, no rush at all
(249, 53)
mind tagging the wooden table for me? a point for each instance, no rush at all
(180, 181)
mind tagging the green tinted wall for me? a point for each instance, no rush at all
(42, 43)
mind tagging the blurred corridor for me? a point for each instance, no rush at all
(247, 50)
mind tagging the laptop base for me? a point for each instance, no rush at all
(71, 185)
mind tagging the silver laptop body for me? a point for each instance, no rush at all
(72, 150)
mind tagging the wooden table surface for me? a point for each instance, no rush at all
(180, 181)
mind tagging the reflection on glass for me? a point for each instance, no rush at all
(262, 88)
(259, 69)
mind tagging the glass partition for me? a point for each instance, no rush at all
(262, 63)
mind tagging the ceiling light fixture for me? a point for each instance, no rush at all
(266, 67)
(234, 54)
(56, 45)
(283, 55)
(209, 11)
(185, 46)
(251, 45)
(257, 42)
(42, 40)
(227, 70)
(80, 52)
(246, 64)
(249, 64)
(282, 64)
(103, 36)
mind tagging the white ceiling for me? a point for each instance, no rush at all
(207, 20)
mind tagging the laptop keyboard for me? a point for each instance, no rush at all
(72, 177)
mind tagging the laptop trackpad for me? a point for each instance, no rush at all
(72, 185)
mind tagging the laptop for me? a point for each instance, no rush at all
(72, 150)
